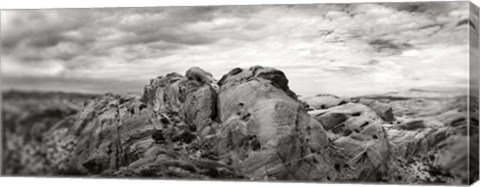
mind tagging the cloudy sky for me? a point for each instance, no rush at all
(344, 49)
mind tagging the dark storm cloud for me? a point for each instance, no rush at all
(388, 46)
(43, 28)
(372, 62)
(35, 36)
(425, 7)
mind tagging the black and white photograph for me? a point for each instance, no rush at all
(376, 93)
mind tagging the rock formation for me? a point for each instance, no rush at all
(250, 125)
(163, 93)
(265, 131)
(324, 101)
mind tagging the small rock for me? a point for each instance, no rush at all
(331, 119)
(412, 124)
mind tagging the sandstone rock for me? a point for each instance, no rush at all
(453, 118)
(200, 105)
(275, 77)
(453, 159)
(324, 101)
(358, 137)
(254, 127)
(256, 106)
(411, 124)
(431, 151)
(194, 96)
(109, 137)
(330, 119)
(113, 142)
(163, 94)
(199, 75)
(409, 143)
(381, 109)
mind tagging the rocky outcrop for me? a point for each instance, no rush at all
(429, 149)
(357, 135)
(33, 127)
(419, 147)
(193, 97)
(163, 94)
(110, 134)
(112, 139)
(200, 100)
(324, 101)
(199, 75)
(274, 77)
(250, 125)
(264, 129)
(381, 109)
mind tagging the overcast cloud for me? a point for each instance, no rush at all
(347, 49)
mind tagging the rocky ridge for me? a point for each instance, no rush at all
(250, 125)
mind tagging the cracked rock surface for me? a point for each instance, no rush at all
(247, 125)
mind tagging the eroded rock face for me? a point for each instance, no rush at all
(361, 144)
(428, 149)
(381, 109)
(324, 101)
(250, 125)
(115, 140)
(199, 75)
(111, 132)
(193, 97)
(163, 94)
(264, 127)
(200, 100)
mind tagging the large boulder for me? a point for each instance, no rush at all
(275, 77)
(265, 131)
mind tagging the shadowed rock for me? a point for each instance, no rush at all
(411, 124)
(163, 94)
(330, 120)
(200, 104)
(250, 125)
(199, 75)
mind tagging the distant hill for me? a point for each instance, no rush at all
(415, 93)
(21, 94)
